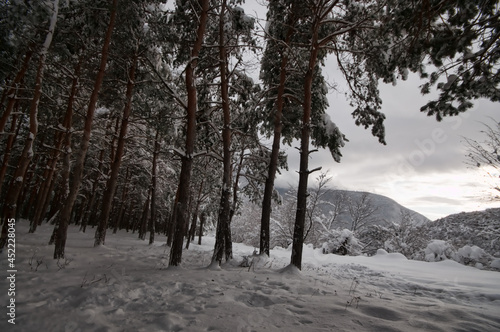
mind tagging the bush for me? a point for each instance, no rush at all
(439, 250)
(342, 243)
(473, 256)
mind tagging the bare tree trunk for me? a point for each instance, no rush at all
(144, 218)
(171, 222)
(203, 218)
(10, 205)
(65, 213)
(222, 240)
(300, 217)
(192, 229)
(181, 208)
(153, 189)
(109, 193)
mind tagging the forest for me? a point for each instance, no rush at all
(163, 118)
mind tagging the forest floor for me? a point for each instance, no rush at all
(125, 285)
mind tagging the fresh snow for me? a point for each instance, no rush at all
(125, 285)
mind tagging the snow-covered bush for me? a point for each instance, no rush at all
(479, 228)
(439, 250)
(342, 243)
(404, 237)
(473, 256)
(495, 264)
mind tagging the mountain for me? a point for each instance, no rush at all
(379, 209)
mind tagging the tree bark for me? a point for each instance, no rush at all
(181, 208)
(192, 229)
(154, 181)
(203, 217)
(300, 217)
(65, 213)
(109, 192)
(144, 218)
(222, 236)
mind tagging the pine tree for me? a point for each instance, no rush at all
(76, 178)
(182, 200)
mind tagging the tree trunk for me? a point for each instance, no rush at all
(144, 218)
(171, 222)
(181, 208)
(10, 205)
(203, 217)
(65, 213)
(222, 239)
(109, 193)
(153, 189)
(273, 163)
(192, 229)
(300, 217)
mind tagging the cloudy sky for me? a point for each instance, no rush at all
(423, 166)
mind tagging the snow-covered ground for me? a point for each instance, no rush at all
(126, 286)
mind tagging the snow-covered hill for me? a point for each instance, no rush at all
(126, 286)
(479, 228)
(385, 210)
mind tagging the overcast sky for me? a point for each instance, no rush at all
(423, 164)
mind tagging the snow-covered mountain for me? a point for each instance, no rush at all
(387, 209)
(382, 210)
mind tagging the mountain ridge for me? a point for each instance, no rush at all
(387, 210)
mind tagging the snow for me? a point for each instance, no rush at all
(125, 285)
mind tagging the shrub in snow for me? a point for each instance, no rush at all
(342, 243)
(473, 256)
(438, 250)
(404, 237)
(479, 228)
(495, 264)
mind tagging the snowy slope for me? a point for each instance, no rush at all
(125, 286)
(387, 210)
(480, 228)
